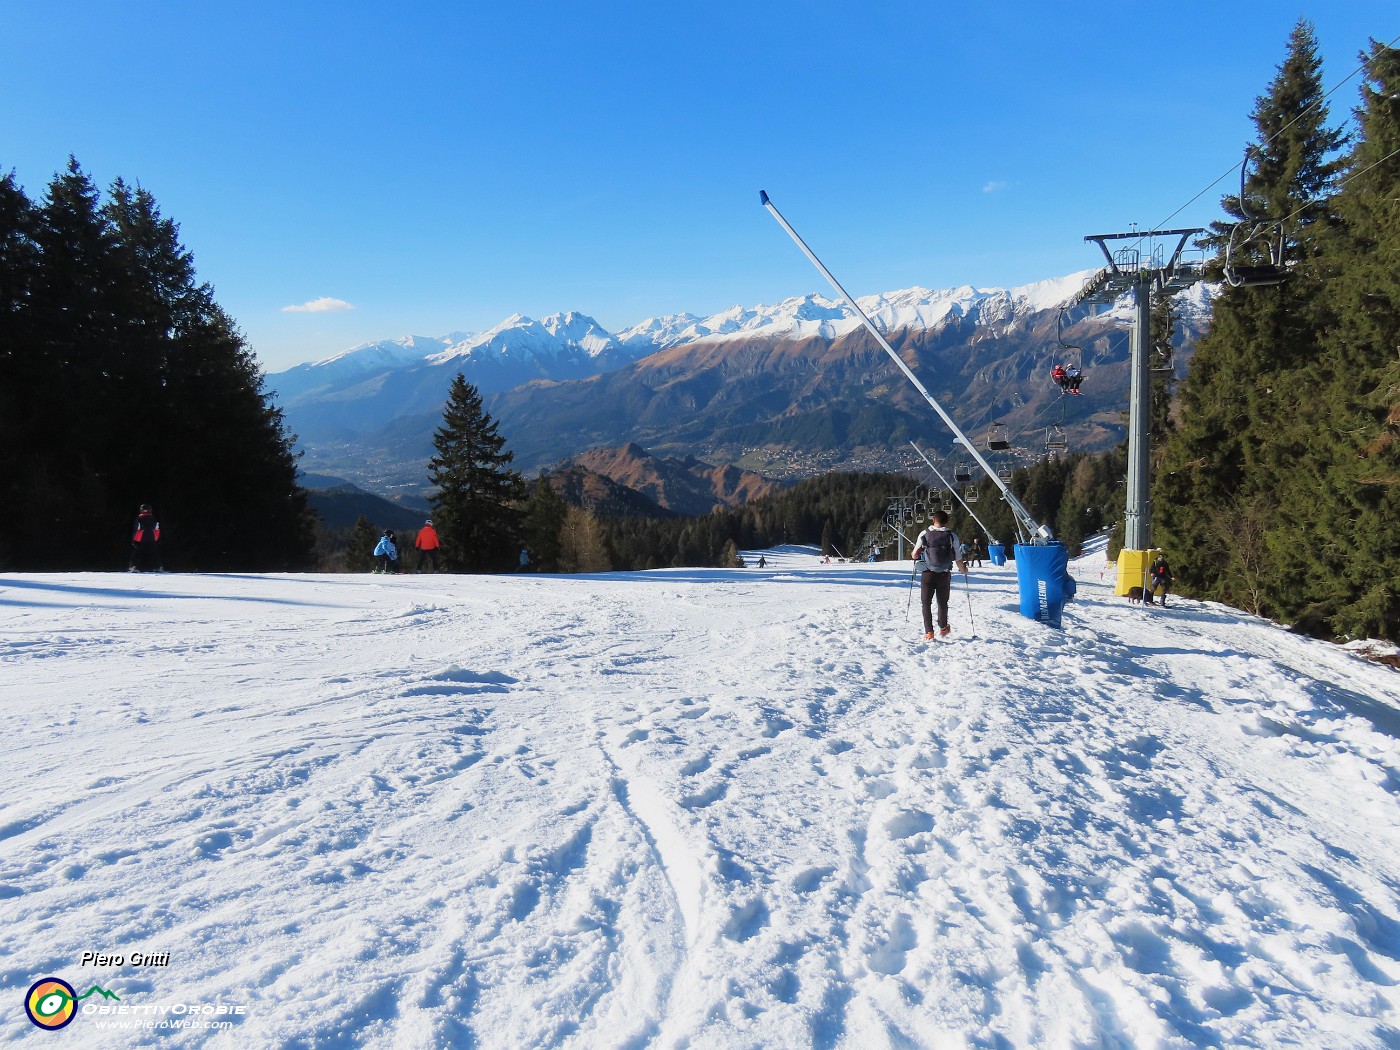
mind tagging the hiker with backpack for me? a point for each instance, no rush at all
(936, 554)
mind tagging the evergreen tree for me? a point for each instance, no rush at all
(131, 385)
(359, 554)
(545, 512)
(1244, 398)
(1348, 477)
(473, 506)
(21, 372)
(1163, 379)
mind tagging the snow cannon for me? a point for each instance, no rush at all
(996, 553)
(1042, 572)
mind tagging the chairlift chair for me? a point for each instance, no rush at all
(997, 438)
(1055, 439)
(1004, 472)
(1264, 238)
(1254, 236)
(970, 496)
(1165, 360)
(962, 472)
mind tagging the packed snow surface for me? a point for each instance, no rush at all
(691, 808)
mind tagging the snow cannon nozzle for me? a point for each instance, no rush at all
(763, 197)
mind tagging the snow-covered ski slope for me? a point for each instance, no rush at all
(692, 808)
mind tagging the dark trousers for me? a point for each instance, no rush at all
(429, 554)
(145, 557)
(1158, 585)
(931, 584)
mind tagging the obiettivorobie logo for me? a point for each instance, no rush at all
(52, 1003)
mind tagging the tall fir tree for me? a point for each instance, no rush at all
(1240, 427)
(545, 512)
(359, 553)
(21, 371)
(1349, 476)
(127, 384)
(476, 490)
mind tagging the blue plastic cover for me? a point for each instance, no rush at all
(1045, 582)
(996, 552)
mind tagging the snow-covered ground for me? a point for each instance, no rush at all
(690, 808)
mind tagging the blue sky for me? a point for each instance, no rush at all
(439, 166)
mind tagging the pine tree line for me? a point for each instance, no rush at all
(123, 382)
(1279, 490)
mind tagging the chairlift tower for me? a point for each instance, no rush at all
(898, 514)
(1145, 274)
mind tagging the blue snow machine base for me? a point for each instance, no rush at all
(996, 553)
(1045, 582)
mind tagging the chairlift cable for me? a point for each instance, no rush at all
(1266, 142)
(1344, 181)
(1041, 533)
(985, 530)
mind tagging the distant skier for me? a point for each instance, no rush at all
(936, 554)
(1073, 377)
(1159, 578)
(145, 542)
(524, 560)
(1060, 376)
(762, 562)
(386, 553)
(427, 544)
(974, 553)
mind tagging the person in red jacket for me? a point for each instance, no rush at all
(145, 542)
(427, 544)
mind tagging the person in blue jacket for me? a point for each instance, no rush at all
(386, 553)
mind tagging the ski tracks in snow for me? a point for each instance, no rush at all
(677, 810)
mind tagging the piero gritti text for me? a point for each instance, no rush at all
(129, 959)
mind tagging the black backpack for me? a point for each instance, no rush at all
(938, 550)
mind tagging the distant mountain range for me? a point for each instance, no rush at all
(784, 390)
(617, 482)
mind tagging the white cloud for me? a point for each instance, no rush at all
(319, 306)
(995, 186)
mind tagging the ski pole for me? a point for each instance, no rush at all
(967, 589)
(910, 600)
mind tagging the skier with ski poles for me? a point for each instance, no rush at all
(936, 554)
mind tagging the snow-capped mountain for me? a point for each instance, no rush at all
(816, 316)
(691, 385)
(557, 344)
(572, 345)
